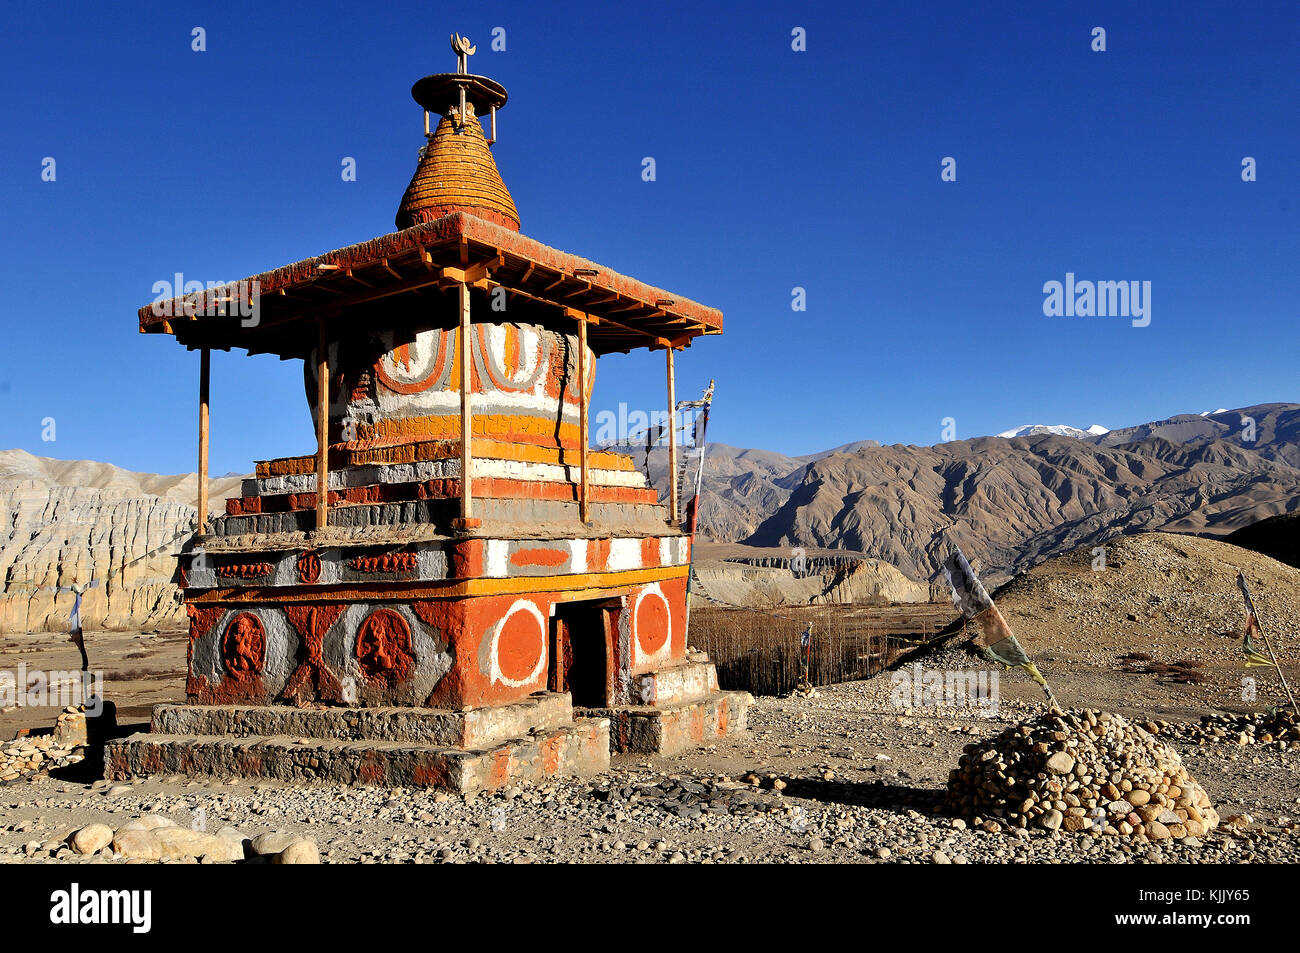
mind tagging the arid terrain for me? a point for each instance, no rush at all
(846, 775)
(1143, 624)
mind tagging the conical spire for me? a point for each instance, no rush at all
(456, 172)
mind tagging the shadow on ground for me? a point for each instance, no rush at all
(876, 794)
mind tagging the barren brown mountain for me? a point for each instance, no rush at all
(1014, 502)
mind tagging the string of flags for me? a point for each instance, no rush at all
(995, 637)
(1253, 657)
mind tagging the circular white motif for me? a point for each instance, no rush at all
(496, 674)
(652, 590)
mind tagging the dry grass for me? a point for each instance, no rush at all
(759, 652)
(1183, 672)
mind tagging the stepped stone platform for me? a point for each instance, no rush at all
(678, 706)
(671, 729)
(472, 750)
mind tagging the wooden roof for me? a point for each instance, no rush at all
(407, 278)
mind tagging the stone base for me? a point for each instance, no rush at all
(473, 728)
(670, 729)
(479, 749)
(692, 678)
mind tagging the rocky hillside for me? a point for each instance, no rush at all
(1276, 431)
(738, 575)
(77, 522)
(1011, 502)
(1170, 597)
(741, 487)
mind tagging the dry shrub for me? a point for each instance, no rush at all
(760, 653)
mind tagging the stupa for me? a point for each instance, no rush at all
(454, 589)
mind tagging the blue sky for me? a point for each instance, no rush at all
(776, 169)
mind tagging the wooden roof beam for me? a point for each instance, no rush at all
(471, 274)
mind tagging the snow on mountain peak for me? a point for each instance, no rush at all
(1060, 430)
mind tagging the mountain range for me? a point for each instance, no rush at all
(1010, 502)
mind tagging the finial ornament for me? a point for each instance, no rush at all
(460, 45)
(460, 96)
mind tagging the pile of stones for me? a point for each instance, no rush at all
(1279, 730)
(29, 755)
(155, 837)
(1080, 771)
(33, 754)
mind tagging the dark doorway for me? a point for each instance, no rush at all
(580, 653)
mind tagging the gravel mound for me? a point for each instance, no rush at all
(1171, 597)
(1081, 770)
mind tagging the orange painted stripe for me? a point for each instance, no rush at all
(572, 585)
(442, 450)
(518, 428)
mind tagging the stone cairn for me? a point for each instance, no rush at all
(33, 754)
(1081, 771)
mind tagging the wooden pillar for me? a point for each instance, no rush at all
(205, 378)
(322, 429)
(672, 439)
(583, 504)
(466, 424)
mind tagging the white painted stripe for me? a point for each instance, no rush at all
(624, 554)
(441, 470)
(496, 558)
(578, 555)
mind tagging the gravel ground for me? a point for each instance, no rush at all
(843, 776)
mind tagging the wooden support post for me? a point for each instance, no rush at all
(205, 378)
(672, 439)
(583, 505)
(322, 429)
(466, 424)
